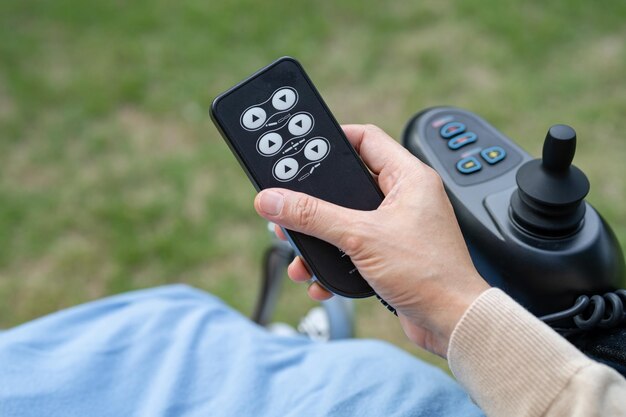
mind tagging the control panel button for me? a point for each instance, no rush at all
(451, 129)
(316, 149)
(270, 143)
(468, 165)
(300, 124)
(493, 154)
(284, 98)
(286, 169)
(462, 140)
(253, 118)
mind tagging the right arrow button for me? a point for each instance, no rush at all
(286, 169)
(270, 143)
(253, 118)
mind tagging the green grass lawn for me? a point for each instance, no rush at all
(113, 178)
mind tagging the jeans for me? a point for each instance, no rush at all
(177, 351)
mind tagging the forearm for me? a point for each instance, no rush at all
(513, 365)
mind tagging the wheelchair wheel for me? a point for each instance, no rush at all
(333, 320)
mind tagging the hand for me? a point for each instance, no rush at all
(410, 250)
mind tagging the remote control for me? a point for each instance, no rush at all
(284, 135)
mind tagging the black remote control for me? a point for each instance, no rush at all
(284, 135)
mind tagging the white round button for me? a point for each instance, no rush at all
(253, 118)
(270, 143)
(286, 169)
(284, 99)
(300, 124)
(316, 149)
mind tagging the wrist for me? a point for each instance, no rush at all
(452, 305)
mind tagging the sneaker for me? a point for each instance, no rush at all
(315, 325)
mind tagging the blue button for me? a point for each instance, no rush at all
(493, 155)
(462, 140)
(468, 165)
(451, 129)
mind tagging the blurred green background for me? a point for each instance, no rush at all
(113, 178)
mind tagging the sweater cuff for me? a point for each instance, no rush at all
(509, 361)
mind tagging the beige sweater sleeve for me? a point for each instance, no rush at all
(512, 364)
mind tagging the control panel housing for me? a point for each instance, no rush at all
(544, 274)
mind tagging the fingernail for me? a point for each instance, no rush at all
(271, 202)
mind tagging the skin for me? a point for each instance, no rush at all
(410, 249)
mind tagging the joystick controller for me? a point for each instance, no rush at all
(549, 199)
(528, 228)
(527, 225)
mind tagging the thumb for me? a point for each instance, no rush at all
(306, 214)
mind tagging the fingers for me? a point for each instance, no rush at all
(279, 232)
(306, 214)
(297, 271)
(318, 293)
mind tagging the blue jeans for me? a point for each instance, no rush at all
(178, 351)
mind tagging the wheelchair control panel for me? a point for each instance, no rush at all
(528, 227)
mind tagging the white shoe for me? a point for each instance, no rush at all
(282, 329)
(315, 325)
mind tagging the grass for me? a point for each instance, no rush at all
(112, 178)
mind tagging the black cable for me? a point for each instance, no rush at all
(596, 315)
(598, 311)
(581, 304)
(616, 312)
(622, 294)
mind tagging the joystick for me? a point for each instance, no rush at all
(550, 191)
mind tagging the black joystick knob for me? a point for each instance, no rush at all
(559, 148)
(549, 200)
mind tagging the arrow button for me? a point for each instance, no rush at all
(253, 118)
(284, 98)
(285, 169)
(316, 149)
(300, 124)
(269, 144)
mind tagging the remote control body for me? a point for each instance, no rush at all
(284, 135)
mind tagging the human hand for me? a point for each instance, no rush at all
(410, 249)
